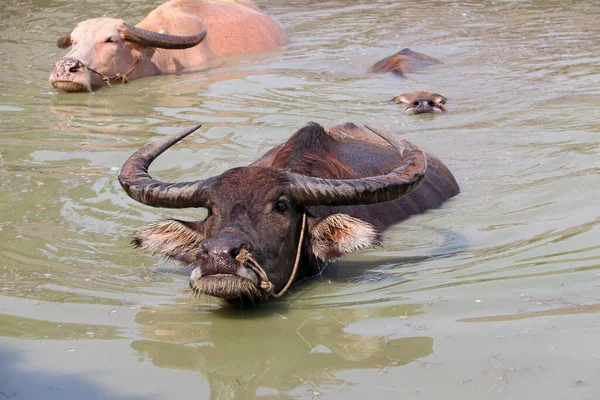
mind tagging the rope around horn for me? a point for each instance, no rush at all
(265, 284)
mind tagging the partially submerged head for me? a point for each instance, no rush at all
(249, 209)
(403, 62)
(259, 210)
(421, 102)
(105, 48)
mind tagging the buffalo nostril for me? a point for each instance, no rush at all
(430, 103)
(75, 65)
(415, 103)
(230, 246)
(235, 252)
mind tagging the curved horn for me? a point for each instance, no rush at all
(64, 41)
(160, 40)
(370, 190)
(140, 186)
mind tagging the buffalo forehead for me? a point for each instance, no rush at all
(250, 184)
(96, 28)
(418, 95)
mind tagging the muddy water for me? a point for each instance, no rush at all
(496, 295)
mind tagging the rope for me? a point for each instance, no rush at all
(107, 79)
(265, 283)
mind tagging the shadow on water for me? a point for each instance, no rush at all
(38, 329)
(272, 350)
(391, 268)
(25, 383)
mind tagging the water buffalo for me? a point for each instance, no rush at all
(403, 62)
(169, 39)
(320, 195)
(421, 102)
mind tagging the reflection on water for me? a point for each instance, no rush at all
(275, 351)
(516, 254)
(573, 310)
(25, 328)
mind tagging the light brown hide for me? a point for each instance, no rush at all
(99, 44)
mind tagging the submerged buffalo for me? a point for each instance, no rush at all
(178, 34)
(403, 62)
(320, 195)
(421, 102)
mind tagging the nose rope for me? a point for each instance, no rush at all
(245, 256)
(106, 79)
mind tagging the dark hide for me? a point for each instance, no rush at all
(337, 154)
(255, 208)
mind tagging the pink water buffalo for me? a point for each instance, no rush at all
(178, 34)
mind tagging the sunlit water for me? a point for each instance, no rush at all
(495, 295)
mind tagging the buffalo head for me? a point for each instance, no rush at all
(421, 102)
(259, 210)
(105, 49)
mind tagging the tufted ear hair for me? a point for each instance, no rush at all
(339, 234)
(178, 240)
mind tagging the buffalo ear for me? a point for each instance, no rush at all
(401, 99)
(340, 234)
(179, 240)
(438, 98)
(64, 41)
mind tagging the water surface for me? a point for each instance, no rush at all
(496, 295)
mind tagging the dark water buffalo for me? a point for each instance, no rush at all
(403, 62)
(169, 39)
(348, 183)
(421, 102)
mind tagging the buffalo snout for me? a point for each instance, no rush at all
(70, 75)
(424, 105)
(218, 273)
(421, 106)
(421, 102)
(71, 65)
(228, 244)
(218, 255)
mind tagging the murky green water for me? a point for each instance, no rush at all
(494, 296)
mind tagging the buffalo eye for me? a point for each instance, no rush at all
(110, 40)
(281, 206)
